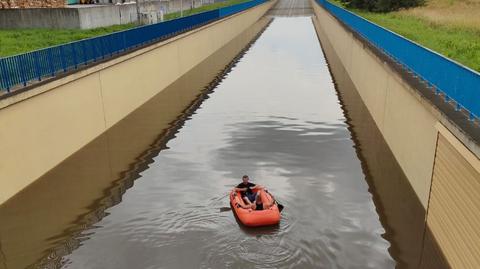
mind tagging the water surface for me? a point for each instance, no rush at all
(276, 117)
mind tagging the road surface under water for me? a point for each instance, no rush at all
(276, 117)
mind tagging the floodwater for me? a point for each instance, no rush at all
(275, 116)
(401, 212)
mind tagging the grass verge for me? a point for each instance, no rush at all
(24, 40)
(204, 8)
(460, 43)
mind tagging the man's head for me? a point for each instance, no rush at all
(245, 179)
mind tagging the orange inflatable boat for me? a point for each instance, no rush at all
(255, 218)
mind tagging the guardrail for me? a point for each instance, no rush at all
(23, 69)
(458, 83)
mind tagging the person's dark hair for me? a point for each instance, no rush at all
(244, 176)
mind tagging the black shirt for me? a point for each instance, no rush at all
(248, 186)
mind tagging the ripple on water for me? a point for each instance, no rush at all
(276, 120)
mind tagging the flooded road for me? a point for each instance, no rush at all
(274, 116)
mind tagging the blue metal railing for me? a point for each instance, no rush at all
(227, 11)
(24, 69)
(456, 82)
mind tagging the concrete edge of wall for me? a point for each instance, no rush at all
(471, 158)
(455, 121)
(52, 83)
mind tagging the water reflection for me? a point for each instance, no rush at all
(276, 117)
(401, 212)
(257, 231)
(46, 221)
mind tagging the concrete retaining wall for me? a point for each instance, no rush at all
(39, 18)
(100, 16)
(83, 17)
(89, 16)
(439, 161)
(41, 127)
(407, 125)
(102, 170)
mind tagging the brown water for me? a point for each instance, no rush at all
(275, 116)
(401, 212)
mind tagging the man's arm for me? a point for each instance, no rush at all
(270, 204)
(257, 187)
(245, 206)
(239, 189)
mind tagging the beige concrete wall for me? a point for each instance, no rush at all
(42, 127)
(102, 171)
(453, 213)
(439, 162)
(401, 212)
(406, 123)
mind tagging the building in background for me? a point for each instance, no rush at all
(87, 14)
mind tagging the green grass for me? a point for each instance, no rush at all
(187, 12)
(20, 41)
(461, 44)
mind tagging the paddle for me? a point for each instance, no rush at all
(280, 206)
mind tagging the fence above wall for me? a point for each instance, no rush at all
(456, 82)
(21, 70)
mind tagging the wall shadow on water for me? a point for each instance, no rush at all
(400, 210)
(48, 219)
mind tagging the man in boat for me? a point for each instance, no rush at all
(252, 199)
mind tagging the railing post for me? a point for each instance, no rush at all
(460, 97)
(50, 62)
(96, 52)
(5, 79)
(35, 57)
(93, 46)
(458, 107)
(102, 51)
(124, 37)
(62, 59)
(85, 53)
(74, 55)
(21, 63)
(471, 116)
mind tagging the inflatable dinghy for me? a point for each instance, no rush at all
(255, 218)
